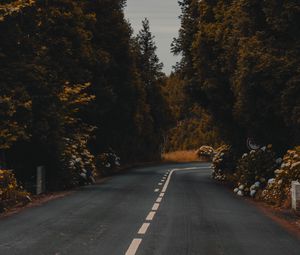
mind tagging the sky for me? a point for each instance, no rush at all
(164, 24)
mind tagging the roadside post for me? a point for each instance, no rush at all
(40, 180)
(296, 196)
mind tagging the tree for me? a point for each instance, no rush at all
(243, 59)
(150, 69)
(149, 63)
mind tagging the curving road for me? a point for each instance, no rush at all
(147, 211)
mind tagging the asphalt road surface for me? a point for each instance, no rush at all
(147, 211)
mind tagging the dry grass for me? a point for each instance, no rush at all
(180, 156)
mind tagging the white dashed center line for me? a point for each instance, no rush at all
(155, 207)
(144, 228)
(150, 216)
(167, 177)
(133, 246)
(158, 200)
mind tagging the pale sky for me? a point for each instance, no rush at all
(164, 24)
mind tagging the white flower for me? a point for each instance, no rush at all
(241, 187)
(264, 148)
(272, 180)
(295, 165)
(278, 171)
(240, 193)
(257, 184)
(252, 193)
(244, 155)
(236, 190)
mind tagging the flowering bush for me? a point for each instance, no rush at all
(223, 163)
(10, 193)
(76, 160)
(253, 170)
(278, 190)
(205, 152)
(107, 162)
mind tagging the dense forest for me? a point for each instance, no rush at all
(80, 90)
(240, 67)
(76, 85)
(240, 62)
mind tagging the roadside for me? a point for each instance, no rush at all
(287, 218)
(38, 200)
(181, 156)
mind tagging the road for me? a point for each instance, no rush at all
(130, 214)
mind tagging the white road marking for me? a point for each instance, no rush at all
(158, 200)
(160, 184)
(178, 169)
(155, 207)
(137, 241)
(133, 246)
(150, 216)
(144, 228)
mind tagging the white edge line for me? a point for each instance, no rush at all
(178, 169)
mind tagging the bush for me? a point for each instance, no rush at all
(278, 190)
(10, 192)
(107, 163)
(254, 169)
(223, 163)
(76, 159)
(205, 152)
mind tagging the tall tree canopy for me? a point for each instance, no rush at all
(244, 56)
(75, 83)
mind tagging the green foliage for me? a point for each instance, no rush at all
(74, 83)
(192, 125)
(149, 63)
(10, 192)
(256, 166)
(242, 58)
(278, 191)
(223, 163)
(205, 152)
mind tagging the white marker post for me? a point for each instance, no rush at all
(40, 180)
(296, 196)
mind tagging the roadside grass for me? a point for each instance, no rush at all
(180, 156)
